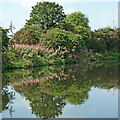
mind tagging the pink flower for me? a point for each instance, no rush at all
(35, 47)
(36, 81)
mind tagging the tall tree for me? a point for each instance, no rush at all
(47, 14)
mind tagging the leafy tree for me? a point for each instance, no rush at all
(77, 18)
(47, 14)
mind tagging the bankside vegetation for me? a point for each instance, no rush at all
(50, 38)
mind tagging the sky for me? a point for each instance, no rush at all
(101, 13)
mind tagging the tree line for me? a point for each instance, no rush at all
(70, 36)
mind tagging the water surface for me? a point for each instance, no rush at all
(75, 91)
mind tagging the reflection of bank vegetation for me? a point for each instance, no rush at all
(48, 89)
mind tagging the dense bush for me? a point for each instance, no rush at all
(70, 46)
(104, 39)
(28, 35)
(75, 29)
(56, 38)
(85, 32)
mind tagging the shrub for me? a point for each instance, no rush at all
(85, 32)
(68, 45)
(28, 35)
(67, 27)
(60, 39)
(104, 39)
(80, 30)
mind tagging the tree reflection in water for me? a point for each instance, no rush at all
(49, 89)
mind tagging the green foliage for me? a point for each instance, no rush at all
(106, 56)
(67, 27)
(85, 32)
(29, 57)
(14, 59)
(118, 38)
(111, 55)
(77, 18)
(104, 39)
(4, 39)
(28, 35)
(80, 30)
(68, 45)
(47, 14)
(56, 38)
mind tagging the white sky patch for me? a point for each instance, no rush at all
(109, 13)
(29, 3)
(0, 14)
(106, 23)
(68, 11)
(64, 1)
(111, 17)
(24, 22)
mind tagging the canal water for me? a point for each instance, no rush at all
(72, 91)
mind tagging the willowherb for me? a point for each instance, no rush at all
(36, 47)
